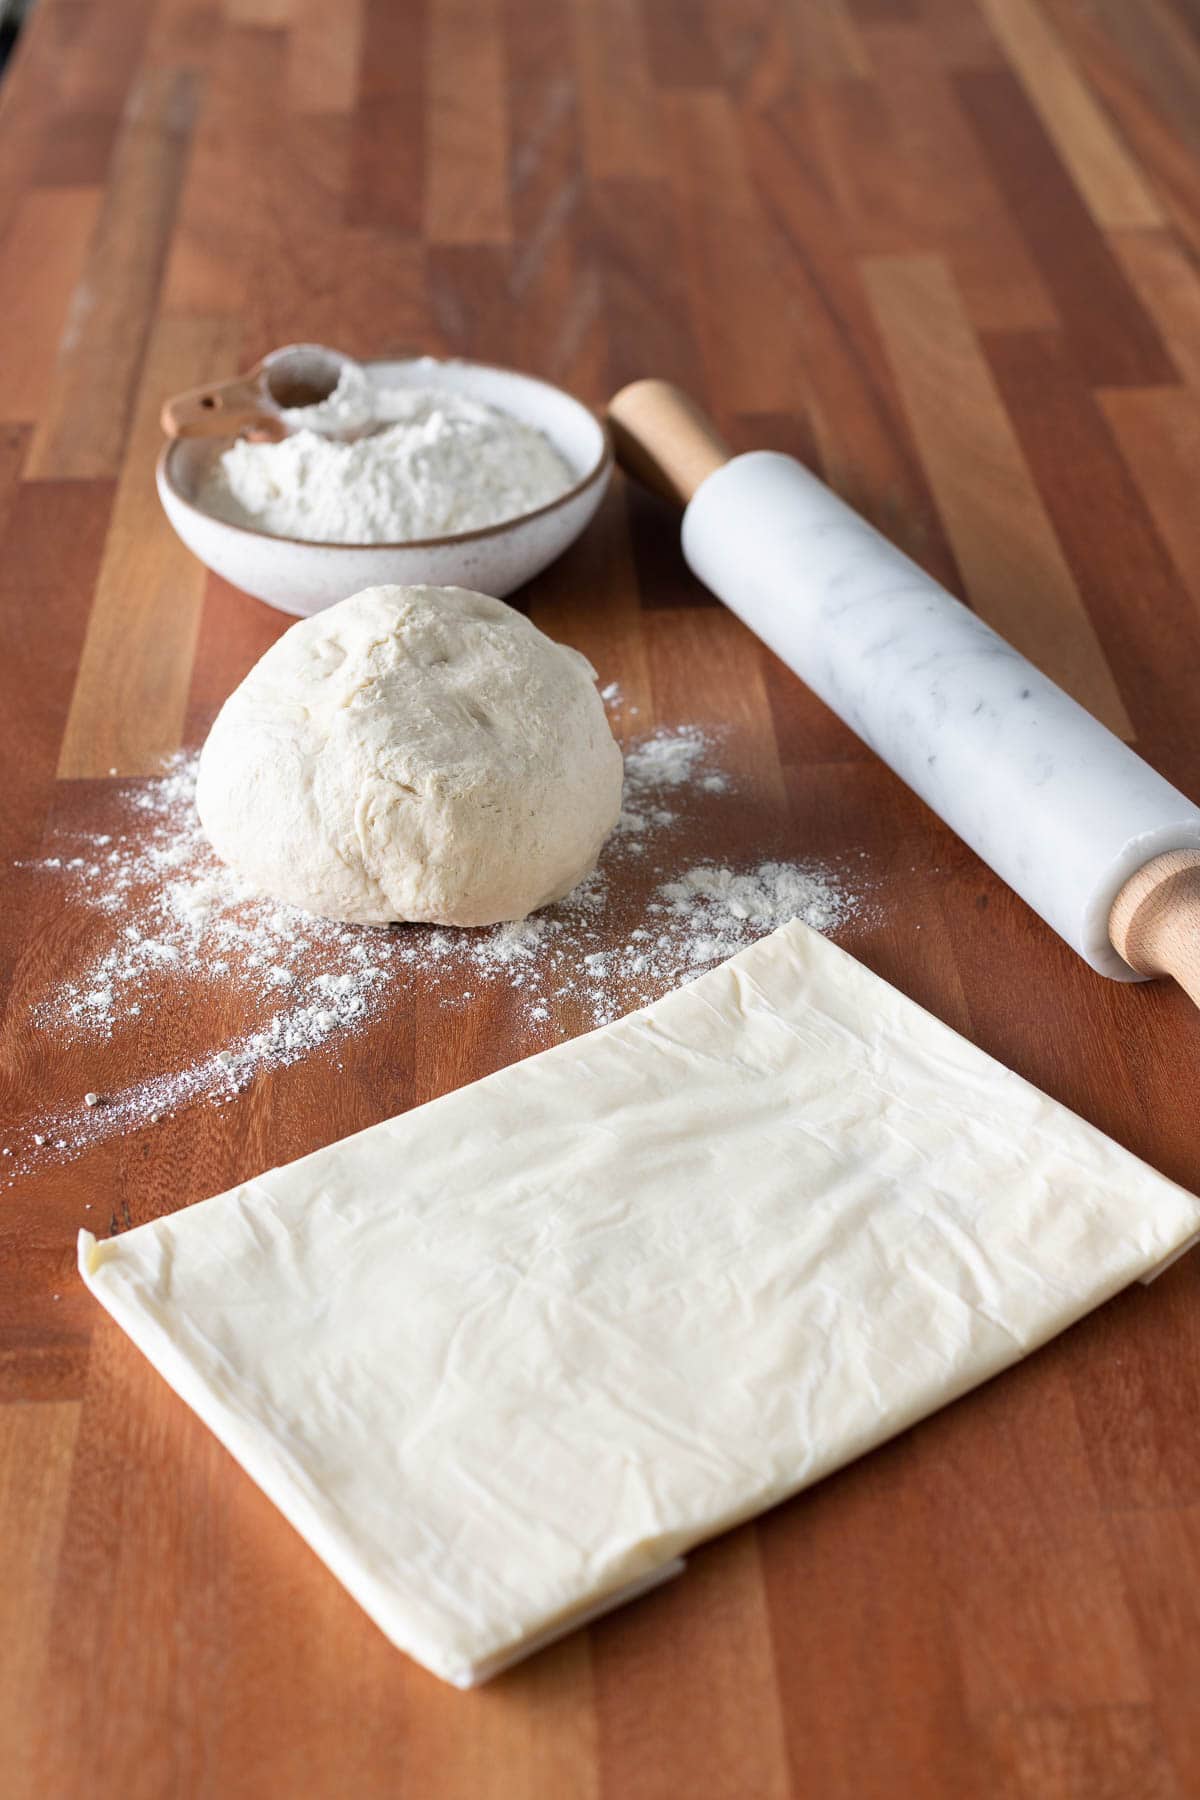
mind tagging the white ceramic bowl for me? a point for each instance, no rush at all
(301, 576)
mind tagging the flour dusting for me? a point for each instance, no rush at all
(173, 929)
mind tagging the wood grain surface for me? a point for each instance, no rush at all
(946, 251)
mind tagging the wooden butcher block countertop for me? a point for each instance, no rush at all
(945, 250)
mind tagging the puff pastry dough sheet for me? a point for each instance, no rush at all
(507, 1355)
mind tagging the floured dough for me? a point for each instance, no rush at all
(503, 1356)
(413, 753)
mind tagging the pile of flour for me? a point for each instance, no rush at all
(439, 464)
(169, 931)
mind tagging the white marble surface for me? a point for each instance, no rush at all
(1060, 808)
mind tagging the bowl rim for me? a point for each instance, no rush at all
(599, 469)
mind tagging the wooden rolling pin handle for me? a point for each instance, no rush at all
(1155, 920)
(664, 439)
(223, 409)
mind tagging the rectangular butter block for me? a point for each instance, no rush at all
(507, 1356)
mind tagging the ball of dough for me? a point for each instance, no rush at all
(413, 753)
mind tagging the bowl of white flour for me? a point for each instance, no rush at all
(465, 476)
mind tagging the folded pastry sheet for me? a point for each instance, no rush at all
(502, 1359)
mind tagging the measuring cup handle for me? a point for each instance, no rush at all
(223, 409)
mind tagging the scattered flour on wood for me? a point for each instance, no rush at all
(173, 931)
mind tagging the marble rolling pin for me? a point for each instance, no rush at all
(1085, 831)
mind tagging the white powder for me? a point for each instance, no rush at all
(439, 465)
(666, 760)
(350, 408)
(170, 930)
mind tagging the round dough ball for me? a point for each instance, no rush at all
(413, 753)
